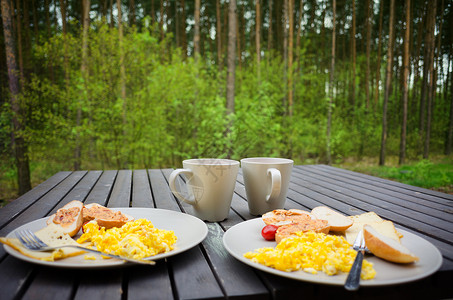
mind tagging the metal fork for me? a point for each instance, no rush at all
(353, 281)
(32, 242)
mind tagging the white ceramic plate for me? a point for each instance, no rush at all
(246, 236)
(189, 230)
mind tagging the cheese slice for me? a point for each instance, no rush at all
(52, 235)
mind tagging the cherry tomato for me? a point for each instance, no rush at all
(268, 232)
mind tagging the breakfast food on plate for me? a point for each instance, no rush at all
(104, 216)
(69, 217)
(268, 232)
(385, 247)
(107, 230)
(304, 243)
(53, 235)
(135, 239)
(282, 216)
(284, 231)
(336, 220)
(371, 218)
(311, 252)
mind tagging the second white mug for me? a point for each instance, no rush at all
(266, 182)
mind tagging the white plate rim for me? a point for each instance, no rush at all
(172, 220)
(249, 233)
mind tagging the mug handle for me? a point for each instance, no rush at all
(276, 183)
(171, 181)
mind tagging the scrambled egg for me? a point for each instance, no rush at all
(311, 252)
(136, 239)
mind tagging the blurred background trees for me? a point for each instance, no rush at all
(145, 84)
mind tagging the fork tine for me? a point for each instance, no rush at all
(37, 239)
(31, 240)
(21, 237)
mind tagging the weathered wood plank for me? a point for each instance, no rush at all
(371, 188)
(238, 280)
(100, 192)
(12, 209)
(190, 269)
(80, 191)
(51, 284)
(193, 276)
(141, 190)
(149, 282)
(389, 184)
(162, 195)
(100, 284)
(424, 223)
(14, 275)
(44, 205)
(121, 192)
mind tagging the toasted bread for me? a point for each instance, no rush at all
(384, 227)
(105, 217)
(337, 221)
(386, 248)
(319, 226)
(53, 235)
(69, 217)
(281, 217)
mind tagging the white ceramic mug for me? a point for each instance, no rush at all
(210, 185)
(266, 182)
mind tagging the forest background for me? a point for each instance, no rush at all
(145, 84)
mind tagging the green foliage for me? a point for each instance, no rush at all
(423, 173)
(174, 107)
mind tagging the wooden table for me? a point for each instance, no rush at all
(208, 270)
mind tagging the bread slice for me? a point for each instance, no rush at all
(384, 227)
(52, 235)
(386, 248)
(105, 217)
(319, 226)
(337, 221)
(281, 217)
(69, 217)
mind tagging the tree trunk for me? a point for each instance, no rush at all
(415, 64)
(450, 125)
(290, 56)
(285, 54)
(238, 42)
(111, 14)
(402, 155)
(19, 20)
(231, 65)
(369, 19)
(196, 35)
(258, 36)
(19, 144)
(353, 57)
(431, 83)
(84, 71)
(388, 82)
(65, 44)
(269, 32)
(218, 36)
(183, 29)
(231, 56)
(131, 12)
(378, 63)
(331, 83)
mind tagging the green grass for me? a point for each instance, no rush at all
(435, 174)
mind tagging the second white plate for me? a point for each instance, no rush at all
(246, 236)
